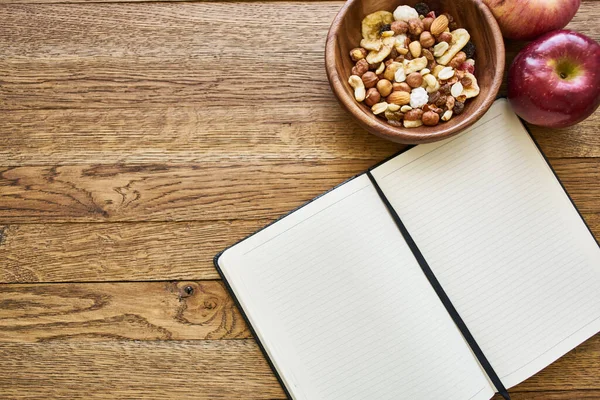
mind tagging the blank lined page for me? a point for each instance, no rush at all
(503, 239)
(343, 309)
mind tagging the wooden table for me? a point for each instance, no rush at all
(139, 139)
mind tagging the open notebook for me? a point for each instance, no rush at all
(343, 310)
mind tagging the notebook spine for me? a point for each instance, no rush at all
(487, 367)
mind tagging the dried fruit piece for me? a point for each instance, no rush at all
(445, 89)
(434, 97)
(371, 44)
(466, 82)
(372, 97)
(375, 57)
(404, 13)
(393, 115)
(467, 67)
(460, 37)
(439, 25)
(372, 24)
(418, 97)
(415, 65)
(469, 49)
(473, 90)
(457, 89)
(422, 9)
(359, 88)
(458, 108)
(450, 101)
(385, 28)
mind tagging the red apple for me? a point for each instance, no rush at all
(555, 80)
(528, 19)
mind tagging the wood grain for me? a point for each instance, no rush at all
(113, 311)
(207, 370)
(202, 192)
(116, 251)
(105, 252)
(233, 369)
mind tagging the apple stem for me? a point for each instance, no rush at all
(563, 75)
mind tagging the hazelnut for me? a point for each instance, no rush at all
(384, 87)
(361, 67)
(399, 97)
(427, 23)
(445, 37)
(414, 80)
(430, 118)
(399, 27)
(372, 97)
(458, 59)
(466, 82)
(369, 79)
(415, 26)
(358, 54)
(390, 71)
(413, 115)
(426, 39)
(401, 87)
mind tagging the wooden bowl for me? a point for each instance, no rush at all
(473, 15)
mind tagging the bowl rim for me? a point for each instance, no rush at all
(400, 134)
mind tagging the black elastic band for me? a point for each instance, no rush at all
(442, 294)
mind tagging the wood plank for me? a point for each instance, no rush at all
(116, 251)
(202, 192)
(548, 395)
(105, 252)
(207, 370)
(113, 311)
(201, 134)
(232, 369)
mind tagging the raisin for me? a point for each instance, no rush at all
(434, 97)
(385, 28)
(445, 89)
(422, 9)
(469, 49)
(458, 108)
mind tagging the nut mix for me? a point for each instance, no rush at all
(413, 68)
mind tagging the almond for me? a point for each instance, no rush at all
(439, 25)
(401, 98)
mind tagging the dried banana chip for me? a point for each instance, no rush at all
(473, 90)
(460, 38)
(415, 65)
(372, 24)
(371, 44)
(375, 57)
